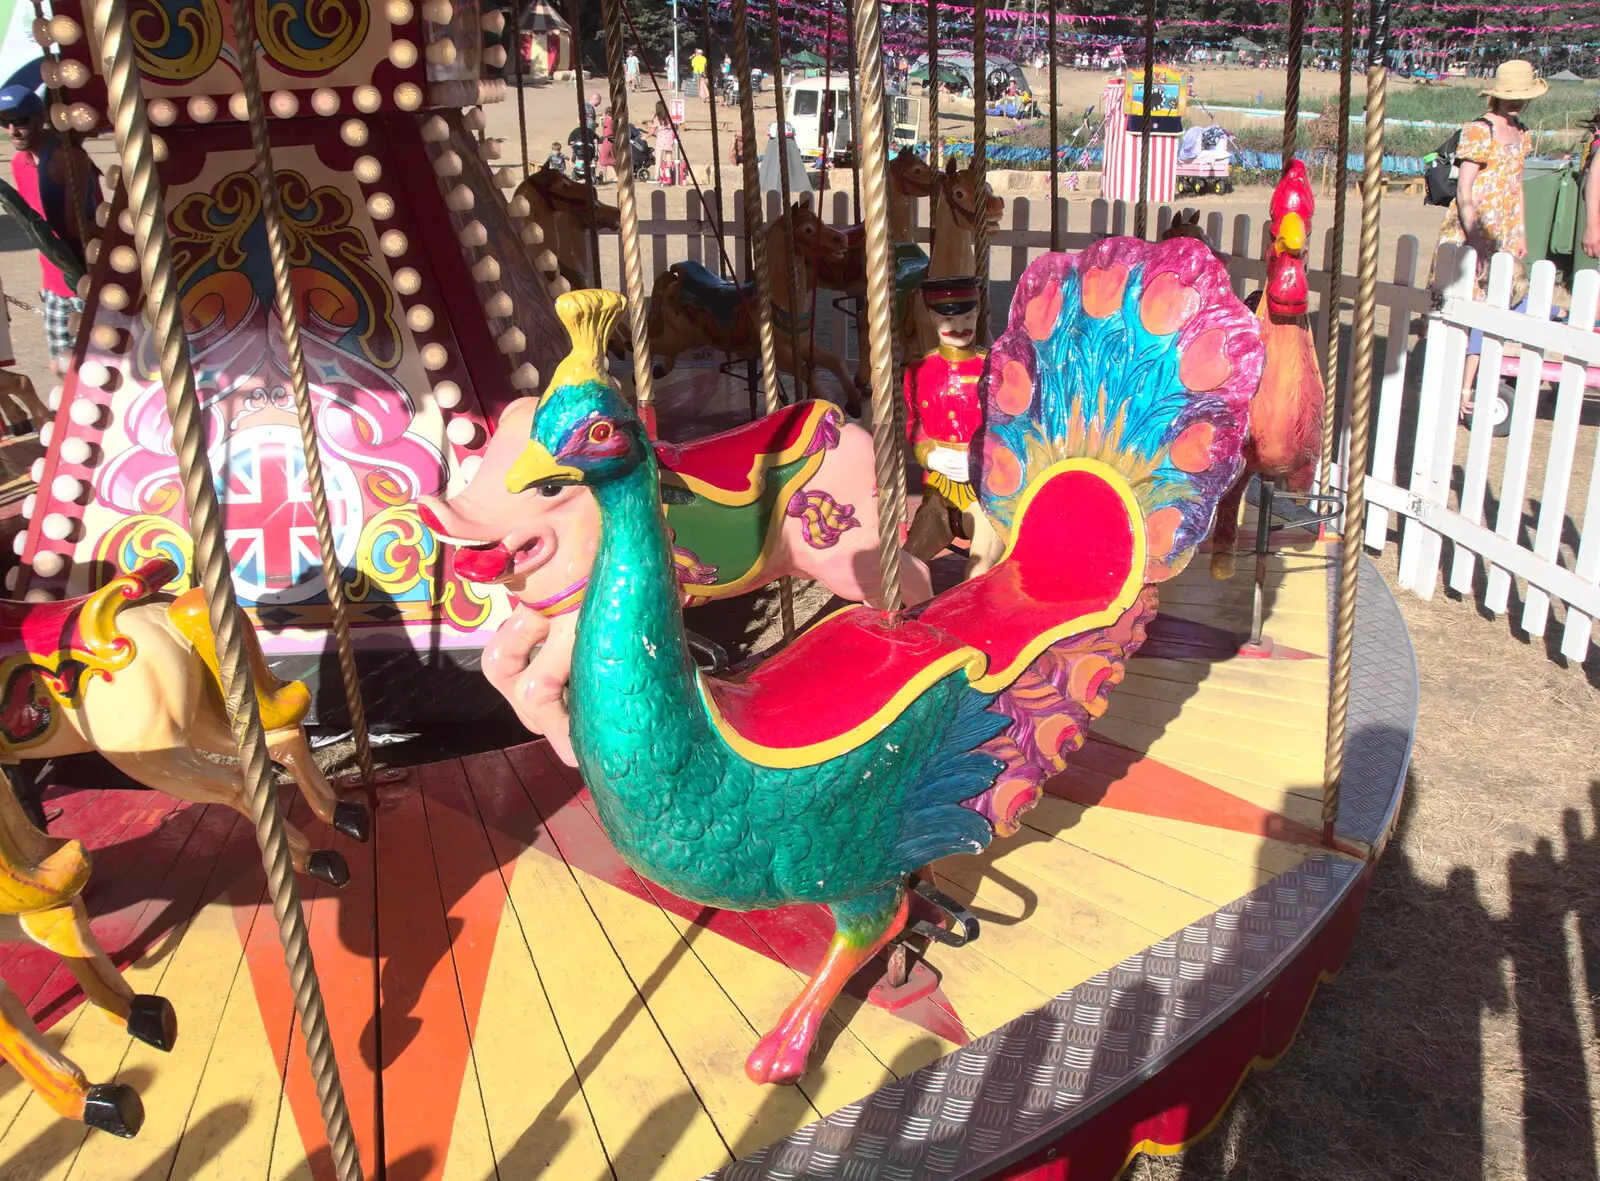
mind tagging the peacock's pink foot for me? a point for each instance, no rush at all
(780, 1057)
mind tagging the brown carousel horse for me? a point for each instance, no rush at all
(563, 209)
(691, 308)
(133, 674)
(41, 880)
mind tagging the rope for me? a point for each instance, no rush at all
(716, 148)
(591, 136)
(1291, 95)
(628, 216)
(872, 162)
(1335, 264)
(1055, 134)
(522, 103)
(1141, 215)
(755, 220)
(792, 272)
(154, 246)
(1365, 327)
(278, 247)
(934, 139)
(980, 159)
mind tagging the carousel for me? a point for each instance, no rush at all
(1010, 856)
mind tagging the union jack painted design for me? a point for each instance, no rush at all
(1119, 180)
(268, 519)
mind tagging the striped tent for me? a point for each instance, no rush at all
(546, 42)
(1119, 181)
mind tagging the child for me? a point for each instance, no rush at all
(557, 159)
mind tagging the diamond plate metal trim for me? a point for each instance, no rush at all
(1012, 1091)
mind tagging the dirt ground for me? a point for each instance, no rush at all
(1460, 1040)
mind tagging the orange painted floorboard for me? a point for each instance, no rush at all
(509, 1000)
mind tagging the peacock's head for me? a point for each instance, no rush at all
(584, 432)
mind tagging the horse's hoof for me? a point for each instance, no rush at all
(852, 407)
(327, 866)
(1222, 566)
(114, 1108)
(658, 370)
(153, 1021)
(352, 818)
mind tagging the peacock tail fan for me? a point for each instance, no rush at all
(1139, 356)
(1136, 354)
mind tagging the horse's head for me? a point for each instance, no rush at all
(912, 174)
(965, 195)
(813, 239)
(561, 194)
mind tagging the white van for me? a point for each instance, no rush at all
(813, 110)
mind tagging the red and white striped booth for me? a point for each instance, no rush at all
(1119, 179)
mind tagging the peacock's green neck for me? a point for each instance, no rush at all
(633, 685)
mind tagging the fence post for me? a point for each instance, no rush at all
(1392, 393)
(1575, 639)
(658, 241)
(1563, 443)
(1099, 217)
(1021, 210)
(1442, 361)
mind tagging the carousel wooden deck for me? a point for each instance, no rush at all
(509, 1000)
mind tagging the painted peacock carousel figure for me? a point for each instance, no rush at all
(878, 742)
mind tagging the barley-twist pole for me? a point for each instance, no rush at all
(1335, 263)
(1141, 214)
(792, 272)
(1355, 507)
(1055, 133)
(980, 159)
(716, 146)
(755, 222)
(154, 246)
(872, 160)
(278, 247)
(1291, 94)
(935, 143)
(628, 216)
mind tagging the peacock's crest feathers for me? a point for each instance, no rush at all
(1136, 354)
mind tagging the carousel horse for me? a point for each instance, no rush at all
(963, 199)
(1115, 409)
(1285, 438)
(561, 208)
(691, 308)
(133, 674)
(41, 880)
(789, 494)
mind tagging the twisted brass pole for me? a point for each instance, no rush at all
(1055, 132)
(792, 274)
(980, 159)
(1365, 327)
(1333, 314)
(591, 136)
(935, 143)
(850, 63)
(278, 247)
(1291, 94)
(872, 159)
(1141, 213)
(114, 48)
(716, 147)
(628, 216)
(754, 212)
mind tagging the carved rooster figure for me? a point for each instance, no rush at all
(1285, 437)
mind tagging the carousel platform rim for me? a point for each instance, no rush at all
(1083, 1080)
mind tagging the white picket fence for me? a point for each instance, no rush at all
(1443, 495)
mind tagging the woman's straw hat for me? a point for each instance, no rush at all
(1515, 79)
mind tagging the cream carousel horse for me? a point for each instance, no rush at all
(134, 675)
(563, 209)
(691, 308)
(41, 879)
(963, 199)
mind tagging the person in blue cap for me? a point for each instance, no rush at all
(39, 171)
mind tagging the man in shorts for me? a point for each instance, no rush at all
(39, 171)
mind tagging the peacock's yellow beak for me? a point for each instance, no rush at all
(1291, 234)
(537, 466)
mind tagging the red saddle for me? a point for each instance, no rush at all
(733, 463)
(1076, 562)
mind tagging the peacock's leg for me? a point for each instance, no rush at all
(862, 926)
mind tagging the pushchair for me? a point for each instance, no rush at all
(644, 156)
(584, 144)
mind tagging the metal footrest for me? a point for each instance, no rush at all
(957, 926)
